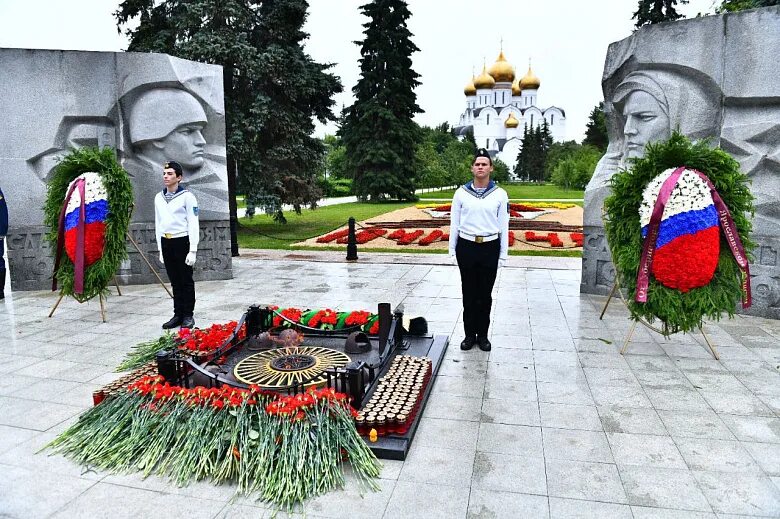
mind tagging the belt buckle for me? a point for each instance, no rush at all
(167, 235)
(478, 239)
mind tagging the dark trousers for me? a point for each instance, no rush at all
(174, 251)
(2, 252)
(478, 264)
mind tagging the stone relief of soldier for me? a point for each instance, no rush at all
(160, 124)
(165, 124)
(645, 107)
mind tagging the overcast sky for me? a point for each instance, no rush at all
(566, 41)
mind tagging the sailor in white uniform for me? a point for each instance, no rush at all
(177, 230)
(479, 241)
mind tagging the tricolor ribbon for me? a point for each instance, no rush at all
(78, 274)
(726, 223)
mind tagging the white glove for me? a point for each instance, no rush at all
(161, 258)
(453, 259)
(501, 262)
(190, 259)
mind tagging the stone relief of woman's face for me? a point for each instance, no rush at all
(645, 122)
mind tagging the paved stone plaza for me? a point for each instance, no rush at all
(554, 422)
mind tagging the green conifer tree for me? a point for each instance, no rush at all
(596, 130)
(657, 11)
(378, 130)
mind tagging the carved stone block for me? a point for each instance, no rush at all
(149, 107)
(710, 78)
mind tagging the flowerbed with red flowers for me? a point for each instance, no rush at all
(578, 238)
(409, 237)
(326, 319)
(364, 236)
(283, 449)
(333, 236)
(552, 238)
(431, 237)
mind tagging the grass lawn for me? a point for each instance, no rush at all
(308, 224)
(532, 192)
(261, 232)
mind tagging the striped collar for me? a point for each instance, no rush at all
(170, 196)
(469, 188)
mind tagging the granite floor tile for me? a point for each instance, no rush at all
(438, 465)
(563, 374)
(438, 432)
(523, 390)
(676, 399)
(634, 420)
(760, 429)
(663, 488)
(576, 445)
(511, 412)
(453, 407)
(748, 495)
(564, 393)
(566, 416)
(359, 502)
(23, 496)
(644, 512)
(645, 450)
(695, 424)
(507, 505)
(611, 377)
(584, 480)
(606, 396)
(717, 455)
(517, 440)
(767, 455)
(509, 473)
(741, 403)
(577, 509)
(502, 371)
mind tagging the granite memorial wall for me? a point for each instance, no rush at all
(150, 108)
(713, 77)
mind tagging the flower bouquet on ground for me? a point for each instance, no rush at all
(284, 449)
(197, 342)
(678, 228)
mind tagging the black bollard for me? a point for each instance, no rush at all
(351, 241)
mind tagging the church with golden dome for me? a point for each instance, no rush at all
(500, 104)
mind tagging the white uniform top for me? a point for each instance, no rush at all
(177, 217)
(480, 215)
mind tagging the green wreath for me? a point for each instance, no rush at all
(678, 311)
(120, 199)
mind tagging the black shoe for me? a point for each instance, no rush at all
(188, 322)
(484, 344)
(173, 322)
(468, 342)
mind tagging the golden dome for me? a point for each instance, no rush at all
(501, 70)
(516, 90)
(530, 80)
(484, 80)
(511, 122)
(470, 89)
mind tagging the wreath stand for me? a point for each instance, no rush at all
(116, 283)
(637, 320)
